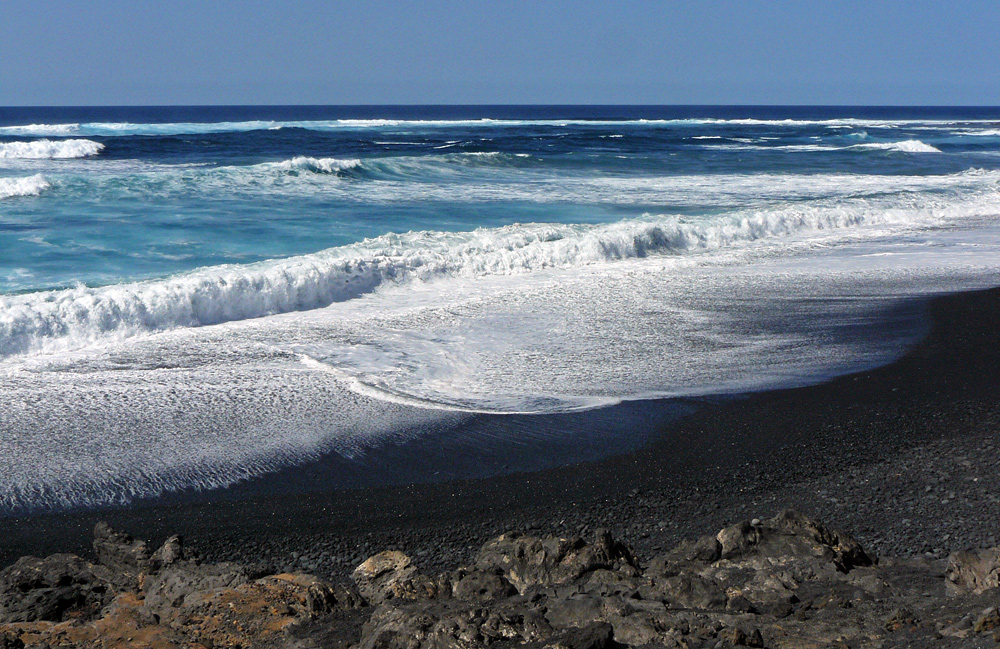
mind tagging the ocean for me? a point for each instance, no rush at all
(191, 297)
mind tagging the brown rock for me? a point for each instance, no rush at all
(527, 561)
(392, 575)
(973, 571)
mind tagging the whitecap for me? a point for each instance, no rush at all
(314, 165)
(69, 318)
(50, 149)
(905, 146)
(30, 186)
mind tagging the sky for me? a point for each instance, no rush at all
(154, 52)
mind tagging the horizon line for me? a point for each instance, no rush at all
(501, 105)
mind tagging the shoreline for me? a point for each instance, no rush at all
(890, 453)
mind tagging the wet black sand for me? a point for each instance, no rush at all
(905, 457)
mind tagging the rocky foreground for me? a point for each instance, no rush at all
(788, 581)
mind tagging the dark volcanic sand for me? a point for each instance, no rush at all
(904, 457)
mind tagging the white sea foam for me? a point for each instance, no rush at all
(903, 146)
(204, 408)
(40, 129)
(50, 149)
(906, 146)
(398, 165)
(314, 165)
(300, 175)
(30, 186)
(70, 318)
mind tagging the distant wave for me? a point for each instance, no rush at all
(314, 165)
(193, 128)
(30, 186)
(40, 129)
(52, 320)
(390, 166)
(50, 149)
(981, 132)
(904, 146)
(494, 177)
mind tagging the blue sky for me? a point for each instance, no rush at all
(108, 52)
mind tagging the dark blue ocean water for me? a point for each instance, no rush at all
(173, 189)
(193, 295)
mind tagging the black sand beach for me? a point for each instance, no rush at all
(904, 456)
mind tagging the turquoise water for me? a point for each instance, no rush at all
(103, 202)
(193, 296)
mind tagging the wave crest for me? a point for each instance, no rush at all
(69, 318)
(315, 165)
(40, 129)
(50, 149)
(30, 186)
(906, 146)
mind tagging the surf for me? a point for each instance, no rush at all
(70, 318)
(18, 187)
(50, 149)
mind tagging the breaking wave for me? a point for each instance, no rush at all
(50, 149)
(377, 167)
(65, 319)
(906, 146)
(40, 129)
(313, 165)
(30, 186)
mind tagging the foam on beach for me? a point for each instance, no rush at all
(211, 298)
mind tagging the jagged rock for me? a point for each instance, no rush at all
(788, 580)
(322, 597)
(743, 636)
(450, 623)
(10, 640)
(575, 610)
(392, 575)
(118, 551)
(988, 621)
(791, 534)
(380, 573)
(171, 588)
(528, 561)
(482, 587)
(168, 554)
(599, 635)
(254, 615)
(704, 550)
(972, 571)
(688, 591)
(762, 566)
(55, 588)
(254, 612)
